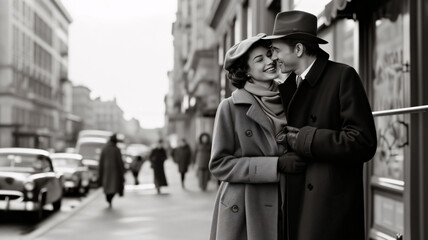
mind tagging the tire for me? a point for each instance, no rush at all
(57, 205)
(86, 189)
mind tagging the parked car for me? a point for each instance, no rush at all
(28, 181)
(76, 174)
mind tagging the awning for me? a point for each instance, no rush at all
(338, 9)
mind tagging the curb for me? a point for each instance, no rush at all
(56, 220)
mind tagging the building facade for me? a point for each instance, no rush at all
(386, 42)
(33, 71)
(192, 99)
(83, 106)
(108, 116)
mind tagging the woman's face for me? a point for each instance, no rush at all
(261, 67)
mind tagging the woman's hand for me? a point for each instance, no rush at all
(290, 162)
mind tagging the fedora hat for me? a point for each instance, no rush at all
(239, 49)
(296, 25)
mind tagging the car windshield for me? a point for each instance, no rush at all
(23, 162)
(65, 162)
(91, 150)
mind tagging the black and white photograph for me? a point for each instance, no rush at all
(214, 119)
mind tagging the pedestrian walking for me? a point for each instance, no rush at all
(182, 156)
(111, 170)
(330, 126)
(135, 167)
(247, 155)
(202, 159)
(157, 158)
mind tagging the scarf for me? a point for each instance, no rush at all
(270, 101)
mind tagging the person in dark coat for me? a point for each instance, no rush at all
(182, 156)
(135, 167)
(202, 159)
(111, 170)
(330, 125)
(157, 158)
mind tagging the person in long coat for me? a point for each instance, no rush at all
(202, 159)
(182, 156)
(111, 170)
(248, 155)
(330, 125)
(157, 158)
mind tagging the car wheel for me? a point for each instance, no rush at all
(57, 205)
(86, 189)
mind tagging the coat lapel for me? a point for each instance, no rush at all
(255, 112)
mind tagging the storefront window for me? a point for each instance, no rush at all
(389, 93)
(390, 90)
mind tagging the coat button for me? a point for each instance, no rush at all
(249, 133)
(313, 118)
(235, 208)
(310, 187)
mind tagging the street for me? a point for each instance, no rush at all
(140, 214)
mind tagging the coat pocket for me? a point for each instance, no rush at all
(230, 194)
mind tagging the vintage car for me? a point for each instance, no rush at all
(76, 174)
(90, 148)
(28, 181)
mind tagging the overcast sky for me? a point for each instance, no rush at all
(123, 49)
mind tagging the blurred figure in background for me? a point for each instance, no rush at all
(157, 158)
(182, 156)
(111, 170)
(202, 157)
(135, 167)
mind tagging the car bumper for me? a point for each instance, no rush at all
(14, 200)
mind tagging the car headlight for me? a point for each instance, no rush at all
(29, 186)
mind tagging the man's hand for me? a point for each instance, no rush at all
(291, 163)
(292, 135)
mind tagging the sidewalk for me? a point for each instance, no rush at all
(142, 213)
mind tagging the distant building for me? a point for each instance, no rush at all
(194, 90)
(108, 116)
(33, 73)
(83, 106)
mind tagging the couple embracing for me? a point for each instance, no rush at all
(290, 155)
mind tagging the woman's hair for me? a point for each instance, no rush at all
(239, 69)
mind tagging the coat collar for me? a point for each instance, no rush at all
(314, 73)
(255, 112)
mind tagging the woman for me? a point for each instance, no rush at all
(202, 155)
(157, 158)
(248, 154)
(111, 170)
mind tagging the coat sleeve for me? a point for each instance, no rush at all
(225, 166)
(356, 140)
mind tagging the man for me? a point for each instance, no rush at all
(330, 126)
(111, 170)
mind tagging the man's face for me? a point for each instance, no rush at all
(284, 55)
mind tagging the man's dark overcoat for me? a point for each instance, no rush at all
(337, 136)
(111, 169)
(157, 158)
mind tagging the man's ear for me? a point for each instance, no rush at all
(299, 49)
